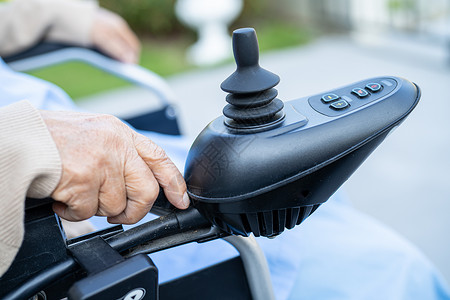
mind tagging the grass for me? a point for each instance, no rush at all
(165, 57)
(278, 36)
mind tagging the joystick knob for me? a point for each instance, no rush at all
(252, 98)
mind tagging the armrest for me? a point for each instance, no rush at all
(48, 54)
(42, 48)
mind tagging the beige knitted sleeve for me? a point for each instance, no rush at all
(29, 165)
(25, 22)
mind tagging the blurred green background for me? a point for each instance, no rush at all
(165, 40)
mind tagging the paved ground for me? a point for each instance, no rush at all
(404, 183)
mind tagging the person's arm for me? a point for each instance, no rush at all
(25, 22)
(29, 162)
(90, 164)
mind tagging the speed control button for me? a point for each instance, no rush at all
(361, 93)
(339, 105)
(327, 98)
(374, 87)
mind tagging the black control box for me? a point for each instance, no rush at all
(135, 278)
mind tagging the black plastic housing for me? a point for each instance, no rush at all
(40, 248)
(134, 278)
(263, 180)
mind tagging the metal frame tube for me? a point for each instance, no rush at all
(255, 265)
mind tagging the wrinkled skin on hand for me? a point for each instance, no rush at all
(109, 170)
(111, 34)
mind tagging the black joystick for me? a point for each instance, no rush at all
(266, 166)
(252, 98)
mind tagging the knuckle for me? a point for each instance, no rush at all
(80, 213)
(118, 209)
(61, 194)
(149, 194)
(112, 201)
(110, 210)
(159, 153)
(177, 180)
(112, 122)
(109, 118)
(152, 190)
(81, 172)
(152, 195)
(132, 218)
(156, 152)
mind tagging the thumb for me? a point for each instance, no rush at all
(164, 170)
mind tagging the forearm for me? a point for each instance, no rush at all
(25, 22)
(29, 165)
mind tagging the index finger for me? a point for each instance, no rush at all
(164, 170)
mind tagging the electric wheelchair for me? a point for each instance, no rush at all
(261, 168)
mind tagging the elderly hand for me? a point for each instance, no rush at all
(111, 34)
(109, 170)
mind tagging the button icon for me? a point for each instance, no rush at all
(136, 294)
(374, 87)
(361, 93)
(339, 105)
(327, 98)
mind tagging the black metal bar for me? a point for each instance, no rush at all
(37, 283)
(195, 235)
(173, 223)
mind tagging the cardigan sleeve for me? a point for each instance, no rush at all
(29, 166)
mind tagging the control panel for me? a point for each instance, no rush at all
(348, 98)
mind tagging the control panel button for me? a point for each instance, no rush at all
(361, 93)
(339, 105)
(327, 98)
(374, 87)
(356, 95)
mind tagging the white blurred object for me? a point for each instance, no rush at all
(210, 19)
